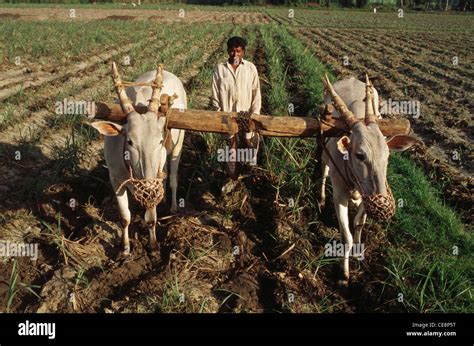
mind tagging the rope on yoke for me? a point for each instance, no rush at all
(166, 103)
(244, 121)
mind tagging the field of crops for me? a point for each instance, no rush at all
(55, 190)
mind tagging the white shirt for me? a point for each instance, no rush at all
(236, 91)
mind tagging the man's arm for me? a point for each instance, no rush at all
(215, 99)
(256, 95)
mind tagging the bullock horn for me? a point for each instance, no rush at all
(125, 102)
(156, 87)
(346, 115)
(369, 101)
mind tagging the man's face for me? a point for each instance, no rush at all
(236, 54)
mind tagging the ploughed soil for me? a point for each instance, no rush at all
(129, 12)
(233, 247)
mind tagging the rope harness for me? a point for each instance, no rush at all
(166, 102)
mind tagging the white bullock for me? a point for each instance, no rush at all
(140, 147)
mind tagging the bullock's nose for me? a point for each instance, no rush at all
(379, 185)
(368, 186)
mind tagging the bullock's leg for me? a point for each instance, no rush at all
(341, 206)
(359, 221)
(174, 164)
(322, 194)
(150, 219)
(165, 181)
(122, 200)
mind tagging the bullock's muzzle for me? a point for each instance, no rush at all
(378, 207)
(147, 192)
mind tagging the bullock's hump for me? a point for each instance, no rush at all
(140, 95)
(350, 89)
(352, 92)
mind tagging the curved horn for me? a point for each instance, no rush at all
(369, 101)
(125, 102)
(156, 90)
(349, 118)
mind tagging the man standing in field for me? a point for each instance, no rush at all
(236, 88)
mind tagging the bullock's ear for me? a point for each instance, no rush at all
(401, 142)
(343, 144)
(107, 128)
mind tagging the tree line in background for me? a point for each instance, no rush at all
(460, 5)
(428, 5)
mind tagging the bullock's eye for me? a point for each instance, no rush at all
(360, 156)
(129, 142)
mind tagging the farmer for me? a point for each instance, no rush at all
(236, 88)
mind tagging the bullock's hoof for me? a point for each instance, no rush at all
(343, 283)
(155, 254)
(229, 186)
(155, 247)
(321, 205)
(359, 256)
(123, 256)
(231, 170)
